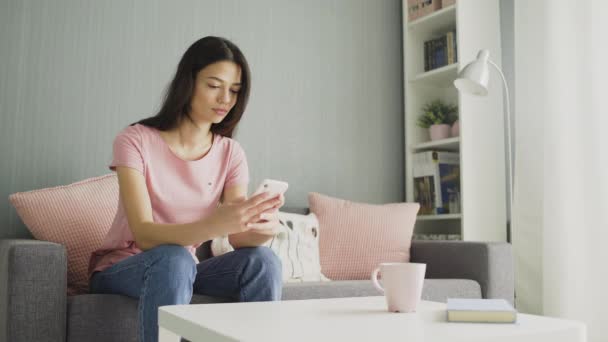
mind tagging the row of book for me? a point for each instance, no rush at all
(437, 237)
(437, 182)
(440, 51)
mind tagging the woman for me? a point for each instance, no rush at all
(173, 170)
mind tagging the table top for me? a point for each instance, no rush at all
(350, 319)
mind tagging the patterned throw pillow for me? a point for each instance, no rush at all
(77, 216)
(296, 245)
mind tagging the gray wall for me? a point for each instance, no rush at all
(325, 112)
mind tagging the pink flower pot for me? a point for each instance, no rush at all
(439, 132)
(456, 128)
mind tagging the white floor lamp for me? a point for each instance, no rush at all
(473, 79)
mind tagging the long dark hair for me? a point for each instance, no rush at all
(176, 104)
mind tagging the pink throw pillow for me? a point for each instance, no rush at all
(357, 236)
(77, 216)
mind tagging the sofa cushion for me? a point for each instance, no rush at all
(102, 317)
(77, 216)
(437, 290)
(109, 317)
(356, 237)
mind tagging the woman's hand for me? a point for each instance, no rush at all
(269, 220)
(232, 218)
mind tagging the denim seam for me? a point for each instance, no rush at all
(141, 300)
(242, 292)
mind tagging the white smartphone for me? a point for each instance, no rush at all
(274, 187)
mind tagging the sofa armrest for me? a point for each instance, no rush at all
(488, 263)
(33, 282)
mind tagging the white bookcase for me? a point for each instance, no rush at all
(481, 142)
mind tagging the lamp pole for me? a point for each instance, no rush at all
(509, 150)
(473, 79)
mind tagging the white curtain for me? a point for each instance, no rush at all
(560, 228)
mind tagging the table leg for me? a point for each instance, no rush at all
(165, 335)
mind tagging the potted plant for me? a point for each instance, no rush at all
(438, 117)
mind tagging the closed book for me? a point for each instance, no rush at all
(450, 48)
(443, 51)
(480, 311)
(431, 54)
(454, 43)
(436, 53)
(426, 56)
(439, 52)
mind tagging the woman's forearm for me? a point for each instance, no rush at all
(149, 235)
(248, 239)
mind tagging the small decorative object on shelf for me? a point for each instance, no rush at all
(426, 7)
(413, 9)
(453, 201)
(455, 131)
(438, 117)
(420, 8)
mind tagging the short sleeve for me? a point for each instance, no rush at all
(238, 170)
(127, 150)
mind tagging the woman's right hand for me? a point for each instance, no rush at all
(232, 218)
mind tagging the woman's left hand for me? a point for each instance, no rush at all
(268, 223)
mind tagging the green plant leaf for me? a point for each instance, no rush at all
(437, 112)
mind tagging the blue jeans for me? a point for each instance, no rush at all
(168, 275)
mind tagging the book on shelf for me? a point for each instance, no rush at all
(450, 237)
(441, 51)
(437, 182)
(450, 39)
(480, 311)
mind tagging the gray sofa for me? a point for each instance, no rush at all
(34, 305)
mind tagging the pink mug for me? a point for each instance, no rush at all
(402, 284)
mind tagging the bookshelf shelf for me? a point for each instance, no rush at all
(450, 144)
(441, 77)
(435, 22)
(480, 177)
(439, 217)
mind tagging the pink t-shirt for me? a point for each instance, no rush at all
(180, 191)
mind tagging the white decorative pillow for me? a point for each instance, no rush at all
(296, 245)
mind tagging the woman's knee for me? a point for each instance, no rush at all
(263, 259)
(174, 259)
(262, 275)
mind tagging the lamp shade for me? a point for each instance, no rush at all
(473, 78)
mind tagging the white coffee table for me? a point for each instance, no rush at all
(347, 319)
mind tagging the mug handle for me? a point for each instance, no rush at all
(375, 280)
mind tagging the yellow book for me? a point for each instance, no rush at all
(480, 311)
